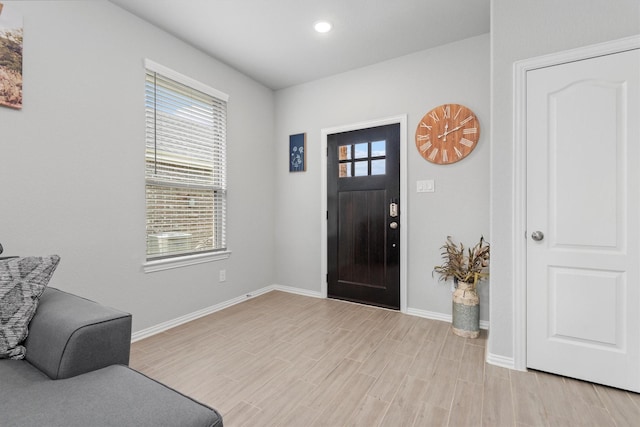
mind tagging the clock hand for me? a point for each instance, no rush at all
(456, 128)
(446, 126)
(447, 132)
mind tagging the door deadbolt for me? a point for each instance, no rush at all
(393, 225)
(393, 210)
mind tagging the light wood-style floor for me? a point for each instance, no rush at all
(289, 360)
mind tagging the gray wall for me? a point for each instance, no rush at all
(522, 29)
(72, 162)
(412, 85)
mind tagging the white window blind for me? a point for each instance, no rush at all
(185, 167)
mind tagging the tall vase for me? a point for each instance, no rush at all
(466, 311)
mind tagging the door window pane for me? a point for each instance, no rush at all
(344, 170)
(362, 168)
(378, 167)
(378, 148)
(344, 152)
(361, 150)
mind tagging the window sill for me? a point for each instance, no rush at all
(183, 261)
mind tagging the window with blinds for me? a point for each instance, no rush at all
(185, 165)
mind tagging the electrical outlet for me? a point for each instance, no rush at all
(223, 275)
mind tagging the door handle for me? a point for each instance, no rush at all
(537, 235)
(393, 225)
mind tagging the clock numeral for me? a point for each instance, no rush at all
(446, 111)
(445, 157)
(457, 113)
(458, 152)
(424, 125)
(469, 131)
(426, 137)
(434, 116)
(467, 120)
(433, 154)
(424, 147)
(466, 142)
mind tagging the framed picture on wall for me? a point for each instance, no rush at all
(10, 58)
(298, 152)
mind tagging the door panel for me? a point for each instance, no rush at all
(361, 231)
(583, 277)
(591, 153)
(363, 179)
(576, 295)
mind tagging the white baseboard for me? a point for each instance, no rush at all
(439, 316)
(493, 359)
(297, 291)
(502, 361)
(161, 327)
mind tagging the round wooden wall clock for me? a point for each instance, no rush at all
(447, 134)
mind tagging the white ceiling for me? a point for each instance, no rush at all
(273, 41)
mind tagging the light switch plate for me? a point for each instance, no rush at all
(425, 186)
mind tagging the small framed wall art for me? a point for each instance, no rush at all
(298, 152)
(10, 58)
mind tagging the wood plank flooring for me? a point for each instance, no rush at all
(287, 360)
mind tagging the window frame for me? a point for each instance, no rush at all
(181, 260)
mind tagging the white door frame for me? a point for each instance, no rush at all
(402, 120)
(519, 173)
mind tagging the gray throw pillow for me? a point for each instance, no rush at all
(22, 282)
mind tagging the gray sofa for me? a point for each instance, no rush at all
(75, 374)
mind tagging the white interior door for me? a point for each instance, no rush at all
(583, 235)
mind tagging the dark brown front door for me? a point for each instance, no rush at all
(363, 229)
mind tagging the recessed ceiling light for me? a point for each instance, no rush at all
(322, 26)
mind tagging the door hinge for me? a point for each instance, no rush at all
(327, 278)
(327, 215)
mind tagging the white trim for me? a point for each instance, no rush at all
(161, 327)
(402, 120)
(439, 316)
(429, 314)
(297, 291)
(404, 210)
(323, 212)
(186, 80)
(497, 360)
(169, 324)
(519, 171)
(183, 261)
(519, 220)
